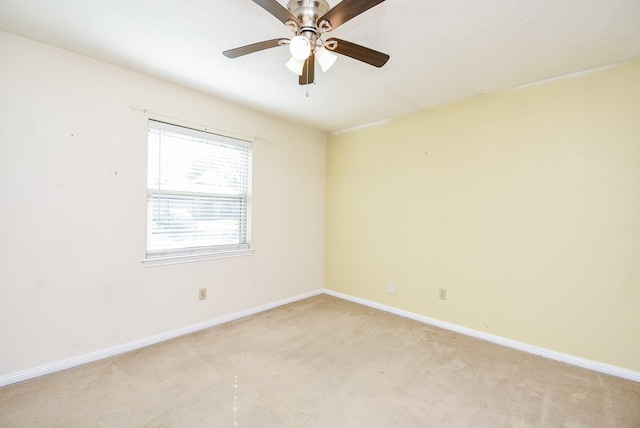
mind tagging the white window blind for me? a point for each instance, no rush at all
(198, 192)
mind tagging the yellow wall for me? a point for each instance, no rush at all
(523, 204)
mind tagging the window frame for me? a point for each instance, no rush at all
(156, 257)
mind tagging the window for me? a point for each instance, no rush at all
(198, 193)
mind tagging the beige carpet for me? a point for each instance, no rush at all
(323, 362)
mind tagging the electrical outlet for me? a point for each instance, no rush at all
(391, 288)
(202, 294)
(443, 293)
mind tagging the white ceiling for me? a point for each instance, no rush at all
(441, 51)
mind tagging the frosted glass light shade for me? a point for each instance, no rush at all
(300, 48)
(295, 65)
(325, 58)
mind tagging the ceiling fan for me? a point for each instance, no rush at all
(309, 20)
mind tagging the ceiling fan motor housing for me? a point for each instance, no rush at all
(307, 12)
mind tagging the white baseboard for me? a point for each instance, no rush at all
(536, 350)
(120, 349)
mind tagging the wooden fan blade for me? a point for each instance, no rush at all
(375, 58)
(346, 10)
(277, 10)
(255, 47)
(308, 71)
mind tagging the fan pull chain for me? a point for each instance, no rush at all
(306, 94)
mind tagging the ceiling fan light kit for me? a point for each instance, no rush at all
(295, 65)
(300, 48)
(325, 58)
(309, 20)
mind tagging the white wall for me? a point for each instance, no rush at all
(73, 198)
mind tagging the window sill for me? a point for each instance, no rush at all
(170, 260)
